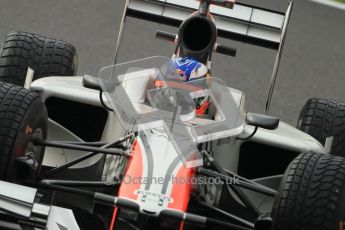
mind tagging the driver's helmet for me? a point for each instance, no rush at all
(191, 69)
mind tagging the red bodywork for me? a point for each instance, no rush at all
(180, 192)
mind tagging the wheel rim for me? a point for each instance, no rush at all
(30, 163)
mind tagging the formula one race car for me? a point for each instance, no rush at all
(168, 145)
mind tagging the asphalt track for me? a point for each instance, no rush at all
(313, 63)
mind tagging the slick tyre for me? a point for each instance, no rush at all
(46, 56)
(311, 194)
(22, 116)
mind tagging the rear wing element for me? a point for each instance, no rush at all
(243, 23)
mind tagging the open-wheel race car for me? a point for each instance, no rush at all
(161, 143)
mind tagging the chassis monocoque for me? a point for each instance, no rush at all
(152, 163)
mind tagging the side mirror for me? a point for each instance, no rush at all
(262, 121)
(91, 82)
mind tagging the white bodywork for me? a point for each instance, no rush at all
(70, 88)
(226, 151)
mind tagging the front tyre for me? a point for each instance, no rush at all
(46, 56)
(22, 116)
(312, 194)
(323, 118)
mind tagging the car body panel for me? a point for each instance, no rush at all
(226, 150)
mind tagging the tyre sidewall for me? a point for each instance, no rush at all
(338, 211)
(34, 118)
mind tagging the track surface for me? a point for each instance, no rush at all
(313, 62)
